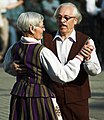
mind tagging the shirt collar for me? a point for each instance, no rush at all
(72, 35)
(30, 40)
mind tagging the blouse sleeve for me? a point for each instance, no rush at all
(92, 66)
(7, 62)
(57, 71)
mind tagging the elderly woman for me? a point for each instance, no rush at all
(31, 97)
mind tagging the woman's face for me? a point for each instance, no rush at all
(38, 33)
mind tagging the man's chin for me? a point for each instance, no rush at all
(62, 30)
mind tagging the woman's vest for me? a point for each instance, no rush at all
(30, 83)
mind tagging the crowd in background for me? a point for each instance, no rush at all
(92, 23)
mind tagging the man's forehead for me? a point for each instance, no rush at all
(68, 10)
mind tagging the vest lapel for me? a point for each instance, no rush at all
(50, 43)
(77, 46)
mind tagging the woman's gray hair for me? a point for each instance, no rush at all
(76, 12)
(29, 18)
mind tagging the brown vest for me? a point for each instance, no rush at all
(78, 89)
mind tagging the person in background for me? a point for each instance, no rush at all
(31, 99)
(92, 23)
(33, 5)
(14, 10)
(100, 35)
(49, 7)
(6, 5)
(4, 29)
(92, 11)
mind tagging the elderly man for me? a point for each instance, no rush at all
(72, 97)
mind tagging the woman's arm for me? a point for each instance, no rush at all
(51, 64)
(56, 70)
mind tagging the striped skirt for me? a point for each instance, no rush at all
(26, 108)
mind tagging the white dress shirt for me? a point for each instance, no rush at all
(92, 8)
(57, 71)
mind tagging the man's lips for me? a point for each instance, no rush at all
(62, 26)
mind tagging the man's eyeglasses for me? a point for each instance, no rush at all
(65, 17)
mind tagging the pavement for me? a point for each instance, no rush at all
(96, 102)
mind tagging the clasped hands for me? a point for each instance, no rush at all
(86, 51)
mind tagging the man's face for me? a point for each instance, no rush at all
(66, 20)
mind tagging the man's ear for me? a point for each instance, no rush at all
(75, 21)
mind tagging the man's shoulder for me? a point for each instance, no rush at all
(81, 37)
(81, 33)
(49, 36)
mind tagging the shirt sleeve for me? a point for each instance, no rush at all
(57, 71)
(92, 66)
(91, 7)
(7, 62)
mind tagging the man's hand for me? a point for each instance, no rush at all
(18, 68)
(87, 50)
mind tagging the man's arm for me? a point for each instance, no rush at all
(91, 64)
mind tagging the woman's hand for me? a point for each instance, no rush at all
(86, 51)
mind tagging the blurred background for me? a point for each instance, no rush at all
(92, 23)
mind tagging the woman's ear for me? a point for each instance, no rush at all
(31, 29)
